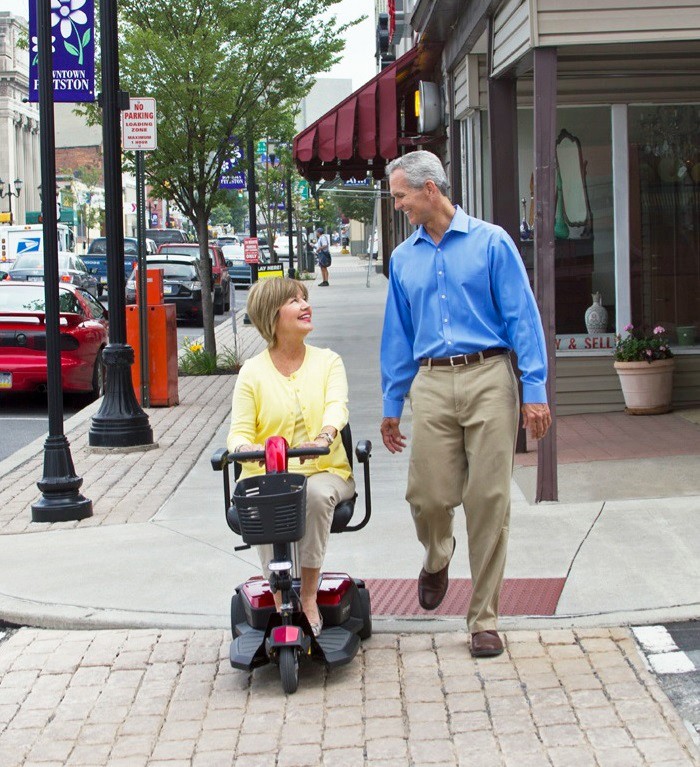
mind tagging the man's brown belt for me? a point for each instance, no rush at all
(462, 359)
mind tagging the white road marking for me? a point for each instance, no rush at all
(671, 663)
(655, 639)
(24, 418)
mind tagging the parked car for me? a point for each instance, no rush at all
(83, 334)
(281, 245)
(182, 284)
(96, 258)
(228, 239)
(71, 270)
(239, 271)
(219, 270)
(161, 236)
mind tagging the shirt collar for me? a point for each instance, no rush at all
(459, 223)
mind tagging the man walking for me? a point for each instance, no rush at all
(323, 255)
(459, 299)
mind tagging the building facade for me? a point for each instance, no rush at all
(612, 97)
(19, 122)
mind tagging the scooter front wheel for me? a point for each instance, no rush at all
(289, 669)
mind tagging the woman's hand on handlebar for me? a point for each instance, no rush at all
(250, 447)
(313, 444)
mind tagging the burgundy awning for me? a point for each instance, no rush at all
(362, 133)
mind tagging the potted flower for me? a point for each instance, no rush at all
(644, 364)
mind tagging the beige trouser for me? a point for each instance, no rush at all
(464, 426)
(324, 491)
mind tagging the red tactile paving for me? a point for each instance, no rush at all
(618, 436)
(519, 596)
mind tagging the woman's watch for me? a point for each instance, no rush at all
(325, 435)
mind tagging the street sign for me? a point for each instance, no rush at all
(139, 130)
(250, 250)
(130, 208)
(232, 179)
(261, 147)
(268, 271)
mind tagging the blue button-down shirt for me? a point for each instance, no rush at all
(466, 294)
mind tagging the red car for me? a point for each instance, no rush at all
(219, 270)
(83, 329)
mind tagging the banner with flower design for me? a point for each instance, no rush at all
(73, 47)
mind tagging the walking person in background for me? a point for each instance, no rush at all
(323, 255)
(459, 300)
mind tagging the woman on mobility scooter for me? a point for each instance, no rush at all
(299, 392)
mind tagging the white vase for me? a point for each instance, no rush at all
(596, 317)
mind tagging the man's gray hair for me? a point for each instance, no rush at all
(420, 166)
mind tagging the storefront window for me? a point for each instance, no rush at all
(584, 241)
(665, 219)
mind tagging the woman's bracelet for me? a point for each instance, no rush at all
(328, 437)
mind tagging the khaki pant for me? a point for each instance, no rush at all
(324, 491)
(464, 426)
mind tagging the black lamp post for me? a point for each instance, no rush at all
(10, 194)
(120, 421)
(59, 485)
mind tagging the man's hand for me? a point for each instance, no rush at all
(536, 419)
(394, 440)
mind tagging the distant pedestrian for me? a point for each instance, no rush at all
(459, 300)
(323, 255)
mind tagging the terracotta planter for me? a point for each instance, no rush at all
(646, 386)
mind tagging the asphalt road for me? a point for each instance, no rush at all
(24, 418)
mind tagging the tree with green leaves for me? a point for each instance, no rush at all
(221, 71)
(355, 204)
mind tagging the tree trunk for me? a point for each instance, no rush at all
(206, 277)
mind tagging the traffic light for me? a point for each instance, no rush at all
(382, 34)
(321, 203)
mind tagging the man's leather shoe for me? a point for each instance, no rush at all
(432, 587)
(486, 644)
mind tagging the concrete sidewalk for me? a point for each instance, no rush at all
(156, 565)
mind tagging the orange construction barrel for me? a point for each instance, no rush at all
(162, 353)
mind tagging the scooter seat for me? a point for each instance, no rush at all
(342, 514)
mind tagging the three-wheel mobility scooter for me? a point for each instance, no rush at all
(271, 509)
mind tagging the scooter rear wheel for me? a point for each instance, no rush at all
(366, 604)
(289, 669)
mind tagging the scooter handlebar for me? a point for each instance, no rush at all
(293, 452)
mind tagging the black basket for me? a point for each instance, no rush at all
(271, 508)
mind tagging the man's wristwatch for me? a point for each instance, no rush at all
(325, 435)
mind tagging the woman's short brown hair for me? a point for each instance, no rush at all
(265, 300)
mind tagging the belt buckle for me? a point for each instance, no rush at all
(463, 360)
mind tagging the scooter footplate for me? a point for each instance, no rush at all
(339, 645)
(248, 650)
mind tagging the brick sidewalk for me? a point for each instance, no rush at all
(132, 486)
(170, 699)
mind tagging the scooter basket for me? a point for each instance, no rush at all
(271, 508)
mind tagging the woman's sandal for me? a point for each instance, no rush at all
(316, 628)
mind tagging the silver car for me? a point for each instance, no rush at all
(29, 267)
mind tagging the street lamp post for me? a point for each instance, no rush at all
(10, 194)
(120, 421)
(61, 500)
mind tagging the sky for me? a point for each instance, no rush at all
(358, 63)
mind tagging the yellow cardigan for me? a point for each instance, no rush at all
(264, 405)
